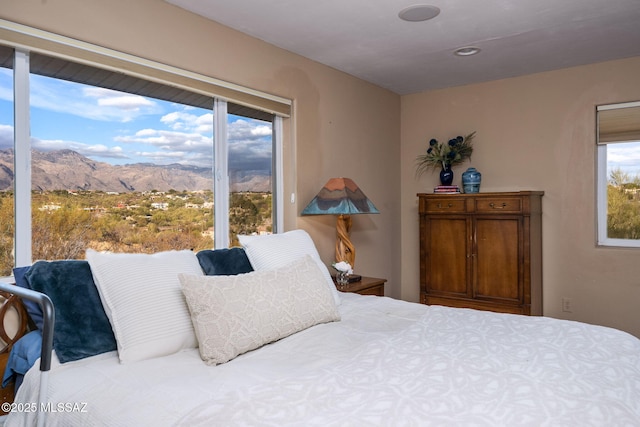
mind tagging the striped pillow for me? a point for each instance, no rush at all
(143, 300)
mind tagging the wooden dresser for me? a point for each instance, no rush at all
(482, 251)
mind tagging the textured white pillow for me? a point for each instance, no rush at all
(143, 300)
(235, 314)
(276, 250)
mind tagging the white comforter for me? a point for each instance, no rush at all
(387, 363)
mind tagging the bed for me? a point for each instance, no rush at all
(381, 362)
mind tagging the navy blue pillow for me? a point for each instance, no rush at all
(224, 262)
(82, 328)
(33, 309)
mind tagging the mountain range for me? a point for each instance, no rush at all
(69, 170)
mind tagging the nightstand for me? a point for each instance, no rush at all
(366, 286)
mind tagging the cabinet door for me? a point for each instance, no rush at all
(497, 259)
(445, 262)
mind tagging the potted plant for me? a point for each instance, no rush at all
(445, 155)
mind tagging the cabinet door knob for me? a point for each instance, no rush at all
(501, 206)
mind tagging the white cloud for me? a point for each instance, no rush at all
(6, 84)
(145, 132)
(174, 117)
(182, 121)
(6, 137)
(88, 150)
(182, 157)
(189, 139)
(170, 140)
(89, 102)
(118, 104)
(624, 156)
(125, 102)
(104, 151)
(261, 131)
(242, 129)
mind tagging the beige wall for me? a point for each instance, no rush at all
(535, 132)
(341, 126)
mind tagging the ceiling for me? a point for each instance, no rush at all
(367, 39)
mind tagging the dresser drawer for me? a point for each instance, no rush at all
(499, 205)
(445, 204)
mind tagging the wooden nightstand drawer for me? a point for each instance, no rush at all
(366, 286)
(374, 290)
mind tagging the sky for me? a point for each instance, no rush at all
(624, 156)
(120, 128)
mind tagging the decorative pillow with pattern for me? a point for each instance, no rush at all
(235, 314)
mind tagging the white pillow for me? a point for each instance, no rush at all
(143, 300)
(235, 314)
(276, 250)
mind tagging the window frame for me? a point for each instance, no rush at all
(22, 178)
(22, 160)
(602, 181)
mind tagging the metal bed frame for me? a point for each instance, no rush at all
(48, 315)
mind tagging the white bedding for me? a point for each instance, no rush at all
(387, 363)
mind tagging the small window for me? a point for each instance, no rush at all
(618, 191)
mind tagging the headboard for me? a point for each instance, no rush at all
(14, 323)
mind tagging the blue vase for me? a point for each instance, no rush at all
(446, 175)
(471, 180)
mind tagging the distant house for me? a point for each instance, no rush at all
(52, 207)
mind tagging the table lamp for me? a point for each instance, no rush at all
(342, 197)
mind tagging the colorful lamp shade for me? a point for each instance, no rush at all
(342, 197)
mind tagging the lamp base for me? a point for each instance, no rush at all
(345, 251)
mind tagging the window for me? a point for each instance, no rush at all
(250, 177)
(123, 164)
(618, 191)
(7, 222)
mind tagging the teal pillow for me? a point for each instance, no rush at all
(81, 328)
(224, 262)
